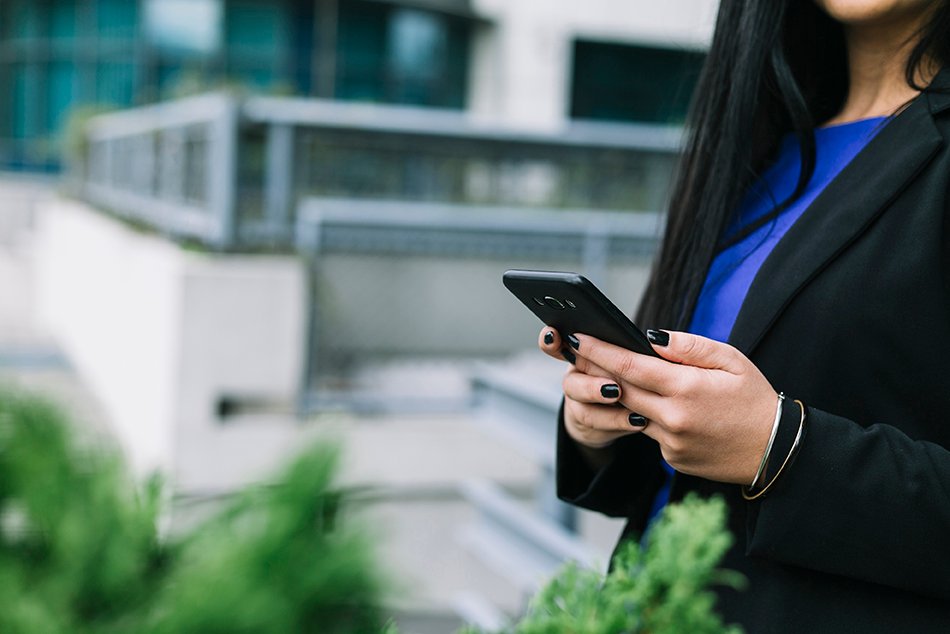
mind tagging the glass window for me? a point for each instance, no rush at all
(60, 85)
(115, 84)
(26, 123)
(256, 25)
(257, 42)
(361, 51)
(189, 26)
(62, 19)
(116, 18)
(400, 55)
(23, 19)
(418, 43)
(632, 83)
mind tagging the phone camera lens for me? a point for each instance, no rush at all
(538, 301)
(553, 303)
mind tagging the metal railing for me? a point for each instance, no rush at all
(229, 172)
(336, 181)
(403, 243)
(170, 166)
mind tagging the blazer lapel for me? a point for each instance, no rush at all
(840, 214)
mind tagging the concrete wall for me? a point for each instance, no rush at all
(387, 306)
(161, 334)
(521, 69)
(20, 194)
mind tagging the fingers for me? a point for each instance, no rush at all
(550, 343)
(585, 388)
(599, 425)
(599, 393)
(650, 373)
(700, 352)
(688, 352)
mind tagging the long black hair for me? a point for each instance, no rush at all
(773, 67)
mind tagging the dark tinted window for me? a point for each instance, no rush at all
(622, 82)
(399, 55)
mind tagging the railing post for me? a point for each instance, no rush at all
(108, 162)
(278, 180)
(221, 172)
(144, 164)
(308, 242)
(171, 165)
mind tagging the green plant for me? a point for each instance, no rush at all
(660, 589)
(73, 142)
(80, 551)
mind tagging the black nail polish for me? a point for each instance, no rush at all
(610, 390)
(549, 337)
(575, 343)
(659, 337)
(636, 420)
(569, 356)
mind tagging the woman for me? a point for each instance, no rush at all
(809, 238)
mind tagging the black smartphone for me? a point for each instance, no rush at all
(569, 303)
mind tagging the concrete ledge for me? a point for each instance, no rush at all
(161, 334)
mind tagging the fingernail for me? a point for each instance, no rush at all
(575, 343)
(569, 356)
(636, 420)
(549, 337)
(610, 390)
(659, 337)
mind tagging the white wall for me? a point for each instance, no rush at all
(521, 66)
(160, 334)
(20, 194)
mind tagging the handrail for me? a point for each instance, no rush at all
(229, 172)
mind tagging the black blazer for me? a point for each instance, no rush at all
(851, 314)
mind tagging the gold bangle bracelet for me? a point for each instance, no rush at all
(746, 491)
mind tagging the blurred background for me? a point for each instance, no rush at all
(230, 226)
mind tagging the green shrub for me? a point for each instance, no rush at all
(80, 551)
(660, 589)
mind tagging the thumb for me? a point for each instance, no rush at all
(689, 349)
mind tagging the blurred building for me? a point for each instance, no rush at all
(526, 62)
(320, 244)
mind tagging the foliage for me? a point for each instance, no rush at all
(662, 589)
(80, 551)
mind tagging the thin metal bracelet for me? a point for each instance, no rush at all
(768, 447)
(746, 491)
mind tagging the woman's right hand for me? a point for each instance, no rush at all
(593, 416)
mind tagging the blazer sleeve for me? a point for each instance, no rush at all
(625, 487)
(867, 503)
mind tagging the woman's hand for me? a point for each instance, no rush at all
(710, 410)
(593, 416)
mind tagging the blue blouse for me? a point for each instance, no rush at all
(733, 269)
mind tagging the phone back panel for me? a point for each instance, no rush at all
(570, 303)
